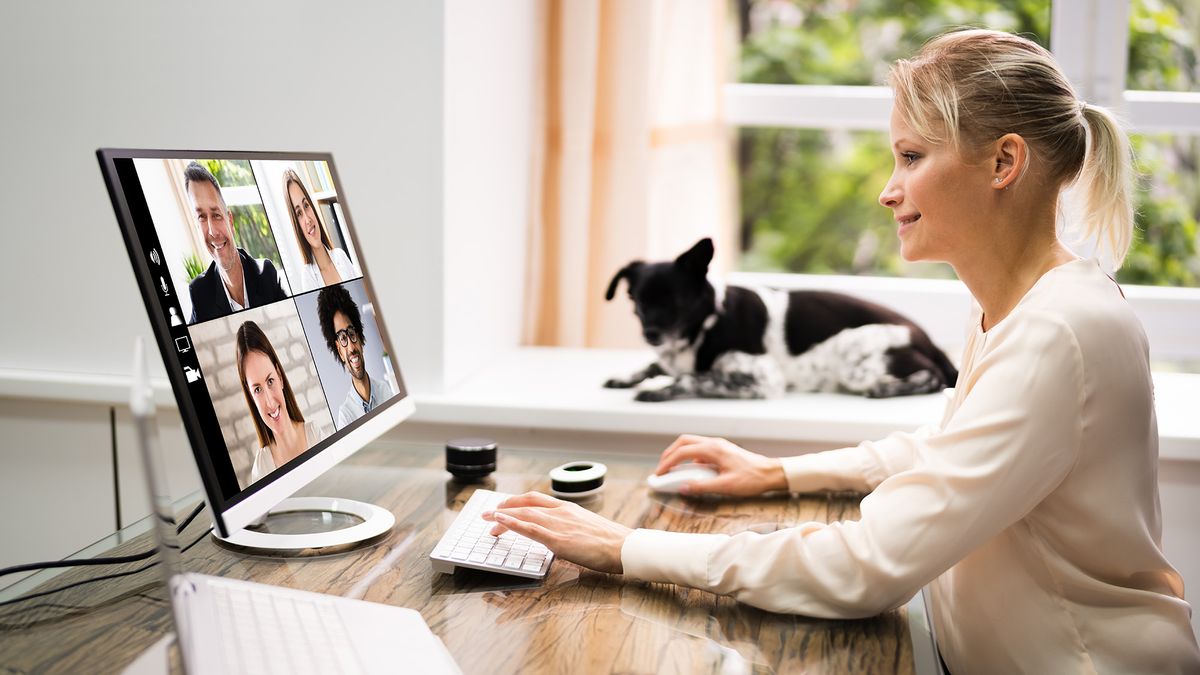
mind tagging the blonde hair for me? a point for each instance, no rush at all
(968, 88)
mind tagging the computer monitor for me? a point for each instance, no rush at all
(269, 327)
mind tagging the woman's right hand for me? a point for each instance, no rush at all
(741, 473)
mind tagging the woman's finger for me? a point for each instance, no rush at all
(526, 529)
(703, 453)
(528, 499)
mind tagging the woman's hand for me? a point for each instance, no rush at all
(741, 473)
(568, 529)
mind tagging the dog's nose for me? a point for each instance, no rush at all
(652, 336)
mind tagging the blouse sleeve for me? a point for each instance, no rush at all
(859, 469)
(1010, 443)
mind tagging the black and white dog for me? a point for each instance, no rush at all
(739, 342)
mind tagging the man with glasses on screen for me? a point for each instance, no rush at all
(234, 281)
(341, 324)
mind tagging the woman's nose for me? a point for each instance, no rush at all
(891, 195)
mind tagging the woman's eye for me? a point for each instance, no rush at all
(910, 157)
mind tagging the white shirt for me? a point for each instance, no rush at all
(312, 279)
(264, 463)
(354, 407)
(1032, 511)
(233, 303)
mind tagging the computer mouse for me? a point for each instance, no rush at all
(680, 475)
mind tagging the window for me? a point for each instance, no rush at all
(812, 126)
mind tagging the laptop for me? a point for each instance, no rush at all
(232, 626)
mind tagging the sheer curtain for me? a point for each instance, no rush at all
(634, 161)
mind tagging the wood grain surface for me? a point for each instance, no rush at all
(575, 621)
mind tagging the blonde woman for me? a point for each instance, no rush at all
(323, 264)
(1031, 511)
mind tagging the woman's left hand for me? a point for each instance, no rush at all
(568, 529)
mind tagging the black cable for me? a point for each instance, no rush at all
(115, 575)
(116, 560)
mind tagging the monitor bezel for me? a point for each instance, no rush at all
(252, 502)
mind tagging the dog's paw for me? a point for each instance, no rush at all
(615, 383)
(654, 395)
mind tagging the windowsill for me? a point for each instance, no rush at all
(561, 389)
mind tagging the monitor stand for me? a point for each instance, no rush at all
(318, 511)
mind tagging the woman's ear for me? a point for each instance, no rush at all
(1010, 157)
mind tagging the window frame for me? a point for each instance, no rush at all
(1090, 39)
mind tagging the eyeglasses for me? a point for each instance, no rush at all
(347, 333)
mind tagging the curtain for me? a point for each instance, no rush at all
(633, 161)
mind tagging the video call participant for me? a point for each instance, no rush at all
(234, 281)
(324, 264)
(341, 324)
(282, 432)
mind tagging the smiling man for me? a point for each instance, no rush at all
(341, 324)
(234, 281)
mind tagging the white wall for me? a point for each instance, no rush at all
(491, 49)
(428, 111)
(363, 81)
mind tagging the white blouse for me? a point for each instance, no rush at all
(1031, 511)
(264, 463)
(311, 276)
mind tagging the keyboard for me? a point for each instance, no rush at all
(468, 544)
(265, 631)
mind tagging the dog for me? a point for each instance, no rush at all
(744, 343)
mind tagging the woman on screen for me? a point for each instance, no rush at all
(323, 264)
(282, 432)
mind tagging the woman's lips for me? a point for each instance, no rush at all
(907, 222)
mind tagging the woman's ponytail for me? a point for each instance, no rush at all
(1104, 187)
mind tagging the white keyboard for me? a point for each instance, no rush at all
(265, 631)
(468, 544)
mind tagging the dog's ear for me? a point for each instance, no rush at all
(695, 260)
(629, 272)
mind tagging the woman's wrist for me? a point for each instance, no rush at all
(773, 476)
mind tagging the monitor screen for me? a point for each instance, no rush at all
(264, 313)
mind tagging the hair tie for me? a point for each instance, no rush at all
(1082, 106)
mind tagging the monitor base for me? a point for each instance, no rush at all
(375, 521)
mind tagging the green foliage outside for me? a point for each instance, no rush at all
(251, 228)
(192, 266)
(809, 197)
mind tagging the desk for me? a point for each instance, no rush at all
(576, 621)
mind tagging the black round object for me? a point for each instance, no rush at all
(470, 458)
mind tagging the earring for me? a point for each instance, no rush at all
(997, 180)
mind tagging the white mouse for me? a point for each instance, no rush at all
(678, 476)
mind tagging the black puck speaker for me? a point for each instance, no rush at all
(470, 458)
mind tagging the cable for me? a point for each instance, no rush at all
(115, 575)
(117, 560)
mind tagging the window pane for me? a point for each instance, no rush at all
(1164, 45)
(809, 203)
(1168, 208)
(852, 42)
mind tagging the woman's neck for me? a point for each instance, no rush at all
(289, 442)
(1004, 268)
(321, 257)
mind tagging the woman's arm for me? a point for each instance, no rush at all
(1010, 443)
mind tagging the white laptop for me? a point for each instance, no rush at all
(231, 626)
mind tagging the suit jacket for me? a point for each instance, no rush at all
(208, 293)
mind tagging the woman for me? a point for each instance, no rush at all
(1032, 510)
(282, 432)
(324, 265)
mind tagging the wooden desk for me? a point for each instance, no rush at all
(576, 621)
